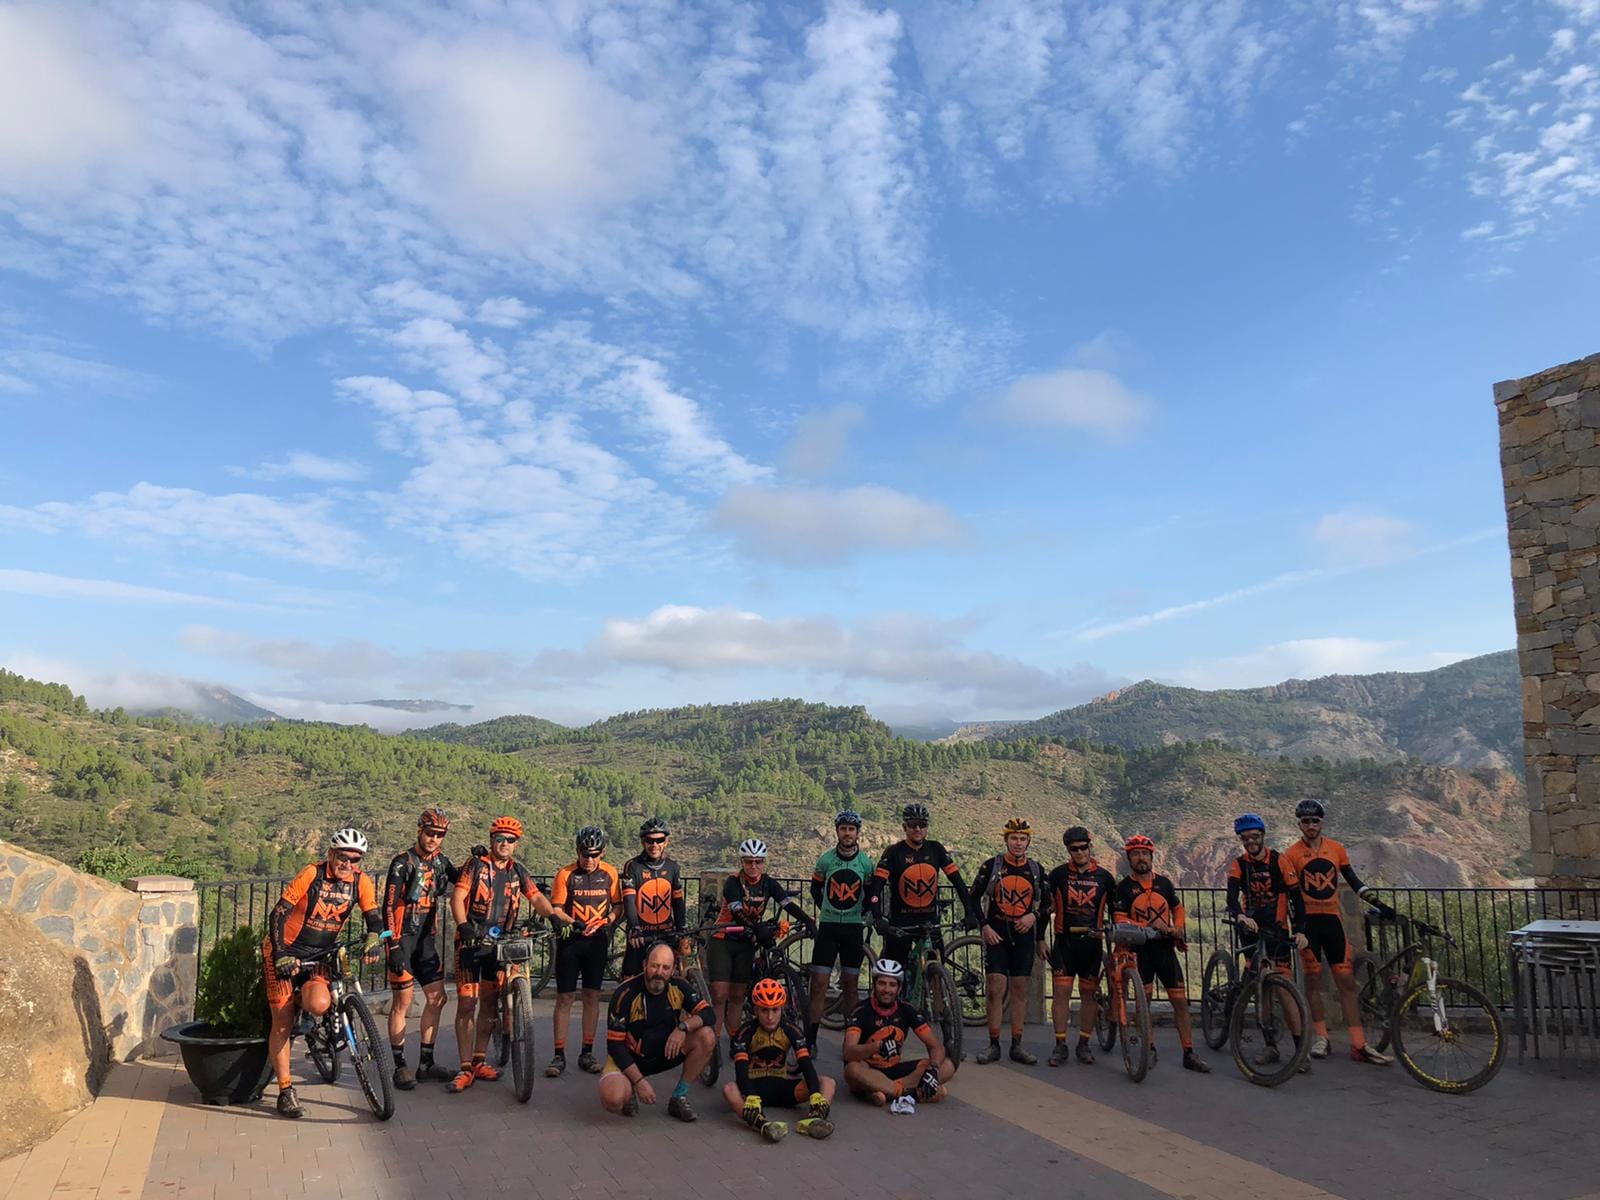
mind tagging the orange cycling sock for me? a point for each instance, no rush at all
(1358, 1037)
(1187, 1043)
(561, 1045)
(1321, 1028)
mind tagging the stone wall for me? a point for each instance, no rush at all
(137, 941)
(1550, 461)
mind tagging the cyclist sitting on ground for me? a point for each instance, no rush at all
(1146, 899)
(1319, 861)
(656, 1022)
(652, 895)
(1080, 894)
(488, 895)
(417, 879)
(875, 1066)
(761, 1051)
(590, 892)
(730, 957)
(905, 884)
(305, 924)
(1009, 888)
(839, 891)
(1263, 890)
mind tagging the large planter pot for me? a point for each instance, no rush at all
(226, 1070)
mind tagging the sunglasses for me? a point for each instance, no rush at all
(433, 833)
(916, 824)
(502, 839)
(589, 853)
(349, 860)
(658, 840)
(753, 862)
(1077, 846)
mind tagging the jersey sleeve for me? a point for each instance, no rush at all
(775, 889)
(616, 884)
(1175, 903)
(1122, 900)
(465, 876)
(294, 895)
(617, 1025)
(530, 885)
(559, 887)
(803, 1057)
(395, 886)
(696, 1005)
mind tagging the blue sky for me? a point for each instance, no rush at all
(962, 360)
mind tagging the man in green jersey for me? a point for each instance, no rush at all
(839, 890)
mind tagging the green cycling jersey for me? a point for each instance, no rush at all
(839, 887)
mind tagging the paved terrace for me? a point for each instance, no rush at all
(1350, 1131)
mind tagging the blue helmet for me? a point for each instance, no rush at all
(1247, 822)
(848, 817)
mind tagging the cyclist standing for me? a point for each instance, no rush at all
(417, 879)
(875, 1066)
(488, 894)
(761, 1050)
(656, 1022)
(1319, 861)
(1080, 894)
(1149, 900)
(839, 891)
(304, 925)
(652, 895)
(908, 875)
(1009, 889)
(1263, 890)
(590, 892)
(730, 958)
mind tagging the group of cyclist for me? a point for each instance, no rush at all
(657, 1022)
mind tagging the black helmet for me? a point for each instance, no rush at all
(915, 811)
(848, 817)
(1074, 833)
(653, 826)
(591, 839)
(1309, 808)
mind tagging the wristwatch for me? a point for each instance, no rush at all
(683, 1026)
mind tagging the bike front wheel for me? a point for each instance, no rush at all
(944, 1007)
(1265, 1012)
(1449, 1038)
(964, 961)
(522, 1038)
(1222, 972)
(370, 1055)
(543, 967)
(1134, 1022)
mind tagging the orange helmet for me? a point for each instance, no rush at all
(1139, 842)
(433, 818)
(506, 825)
(769, 993)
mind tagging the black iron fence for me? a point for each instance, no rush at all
(1478, 919)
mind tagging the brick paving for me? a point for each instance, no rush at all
(1345, 1131)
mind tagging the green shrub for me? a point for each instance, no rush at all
(231, 994)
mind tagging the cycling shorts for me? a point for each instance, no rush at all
(581, 957)
(282, 992)
(779, 1093)
(728, 961)
(905, 1068)
(476, 966)
(1325, 939)
(836, 940)
(1077, 954)
(897, 948)
(1014, 955)
(652, 1062)
(415, 960)
(1158, 963)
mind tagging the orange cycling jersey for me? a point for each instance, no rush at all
(494, 894)
(1145, 901)
(310, 915)
(1319, 872)
(411, 892)
(587, 896)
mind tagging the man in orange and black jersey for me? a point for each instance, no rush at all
(875, 1066)
(656, 1022)
(904, 888)
(417, 879)
(1146, 899)
(1009, 890)
(303, 929)
(730, 955)
(1080, 896)
(590, 892)
(652, 895)
(761, 1050)
(1319, 862)
(487, 897)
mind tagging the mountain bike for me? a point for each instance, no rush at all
(1217, 983)
(1447, 1034)
(929, 986)
(1264, 1008)
(1124, 1002)
(348, 1027)
(513, 1037)
(796, 951)
(771, 963)
(690, 942)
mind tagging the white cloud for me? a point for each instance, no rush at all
(821, 439)
(1351, 539)
(826, 527)
(1075, 398)
(303, 464)
(64, 587)
(1311, 658)
(687, 444)
(1144, 620)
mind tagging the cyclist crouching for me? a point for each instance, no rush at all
(761, 1051)
(656, 1021)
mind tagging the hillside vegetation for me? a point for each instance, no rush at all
(113, 791)
(1468, 714)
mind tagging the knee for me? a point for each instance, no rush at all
(613, 1097)
(315, 997)
(466, 1007)
(433, 999)
(703, 1038)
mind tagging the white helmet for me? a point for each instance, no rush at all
(752, 848)
(348, 839)
(889, 969)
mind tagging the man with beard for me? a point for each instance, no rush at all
(1147, 899)
(418, 878)
(908, 874)
(1080, 896)
(652, 895)
(839, 891)
(875, 1066)
(656, 1022)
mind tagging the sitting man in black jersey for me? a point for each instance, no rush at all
(874, 1064)
(761, 1052)
(656, 1022)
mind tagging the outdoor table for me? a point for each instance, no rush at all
(1563, 949)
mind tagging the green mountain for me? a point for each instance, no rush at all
(1468, 714)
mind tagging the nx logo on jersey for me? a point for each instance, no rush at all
(1016, 896)
(327, 914)
(919, 883)
(1320, 883)
(1079, 898)
(655, 901)
(844, 890)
